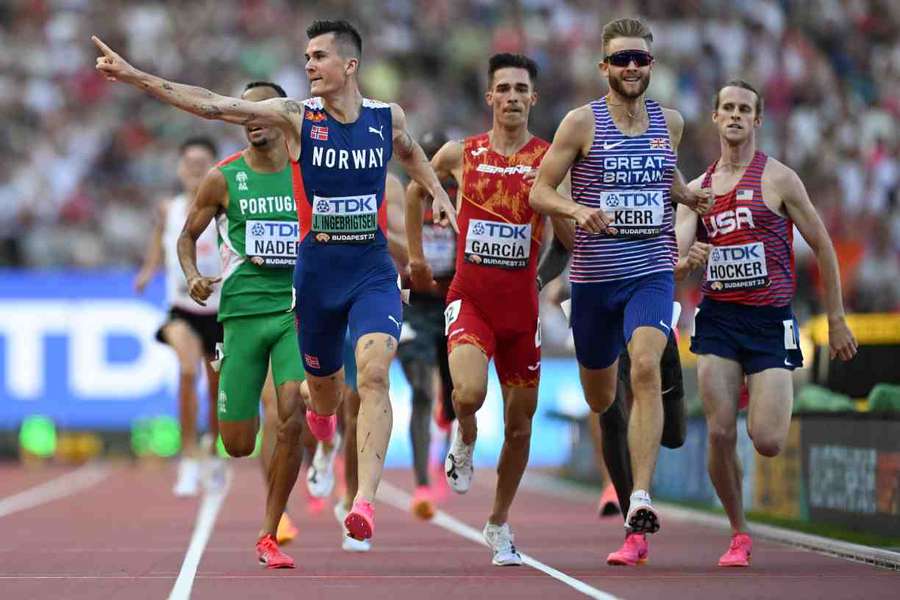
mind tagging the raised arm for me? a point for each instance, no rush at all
(153, 258)
(277, 112)
(570, 142)
(211, 197)
(799, 208)
(394, 197)
(446, 163)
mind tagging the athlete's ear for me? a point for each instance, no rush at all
(352, 66)
(534, 98)
(489, 97)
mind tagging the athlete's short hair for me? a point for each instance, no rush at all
(506, 60)
(432, 141)
(344, 33)
(741, 84)
(198, 140)
(255, 84)
(626, 28)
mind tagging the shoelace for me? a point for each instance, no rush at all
(735, 544)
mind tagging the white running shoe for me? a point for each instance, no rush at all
(458, 466)
(349, 544)
(188, 482)
(320, 476)
(500, 539)
(216, 475)
(642, 517)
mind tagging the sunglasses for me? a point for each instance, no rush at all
(624, 58)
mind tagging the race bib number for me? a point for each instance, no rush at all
(272, 243)
(634, 213)
(496, 244)
(451, 314)
(740, 267)
(345, 220)
(439, 244)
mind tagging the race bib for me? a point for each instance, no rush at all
(272, 243)
(439, 244)
(345, 220)
(496, 244)
(740, 267)
(451, 314)
(634, 213)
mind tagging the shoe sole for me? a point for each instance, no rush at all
(358, 527)
(619, 562)
(450, 471)
(423, 510)
(276, 566)
(643, 520)
(610, 510)
(506, 564)
(735, 565)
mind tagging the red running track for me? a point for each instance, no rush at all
(126, 536)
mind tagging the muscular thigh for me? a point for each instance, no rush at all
(518, 356)
(720, 381)
(185, 342)
(245, 361)
(771, 402)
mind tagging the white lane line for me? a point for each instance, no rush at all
(879, 557)
(59, 487)
(400, 500)
(206, 520)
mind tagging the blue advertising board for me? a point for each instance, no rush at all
(80, 348)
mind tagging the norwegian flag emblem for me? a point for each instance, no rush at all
(745, 195)
(659, 143)
(317, 132)
(311, 361)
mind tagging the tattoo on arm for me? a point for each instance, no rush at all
(293, 106)
(389, 343)
(404, 145)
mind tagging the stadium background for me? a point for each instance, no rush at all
(85, 163)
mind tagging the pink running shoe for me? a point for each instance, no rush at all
(360, 521)
(422, 503)
(608, 505)
(269, 554)
(322, 427)
(633, 552)
(738, 554)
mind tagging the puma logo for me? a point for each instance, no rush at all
(395, 321)
(377, 131)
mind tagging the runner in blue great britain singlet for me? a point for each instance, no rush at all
(623, 281)
(344, 275)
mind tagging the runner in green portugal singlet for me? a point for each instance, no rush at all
(250, 194)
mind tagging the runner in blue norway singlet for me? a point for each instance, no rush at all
(344, 274)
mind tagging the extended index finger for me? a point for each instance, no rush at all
(102, 46)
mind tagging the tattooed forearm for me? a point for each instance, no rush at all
(203, 102)
(293, 106)
(404, 146)
(389, 343)
(210, 111)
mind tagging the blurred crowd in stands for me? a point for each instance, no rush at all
(85, 162)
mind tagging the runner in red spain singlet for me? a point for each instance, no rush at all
(492, 302)
(492, 306)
